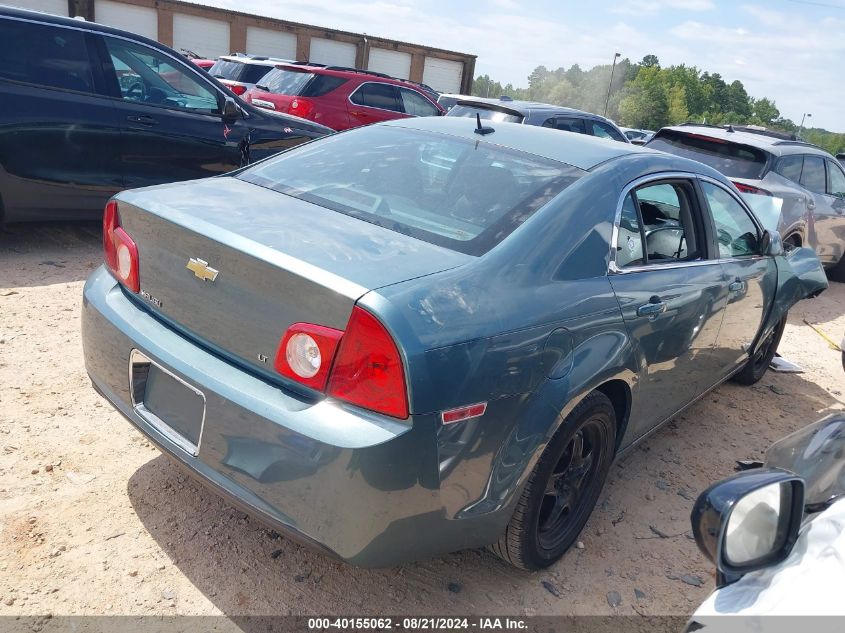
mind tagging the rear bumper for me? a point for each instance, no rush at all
(360, 486)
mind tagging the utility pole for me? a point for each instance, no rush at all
(801, 127)
(610, 85)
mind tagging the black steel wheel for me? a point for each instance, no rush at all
(759, 362)
(563, 488)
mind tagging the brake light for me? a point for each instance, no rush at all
(361, 366)
(743, 188)
(119, 250)
(301, 107)
(306, 353)
(238, 89)
(368, 370)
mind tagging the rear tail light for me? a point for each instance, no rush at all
(119, 249)
(238, 89)
(306, 354)
(361, 366)
(301, 107)
(743, 188)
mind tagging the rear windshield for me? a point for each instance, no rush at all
(732, 159)
(466, 195)
(300, 84)
(485, 113)
(238, 71)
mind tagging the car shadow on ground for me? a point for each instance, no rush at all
(245, 569)
(39, 254)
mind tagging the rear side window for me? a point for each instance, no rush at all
(732, 159)
(285, 82)
(48, 56)
(239, 71)
(790, 167)
(377, 95)
(416, 104)
(466, 195)
(565, 123)
(603, 130)
(812, 176)
(488, 114)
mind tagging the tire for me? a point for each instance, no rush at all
(757, 365)
(837, 273)
(542, 527)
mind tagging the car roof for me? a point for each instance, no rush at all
(779, 145)
(525, 108)
(580, 150)
(258, 61)
(355, 73)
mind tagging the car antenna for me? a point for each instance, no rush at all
(731, 128)
(480, 129)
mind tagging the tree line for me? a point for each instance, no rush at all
(648, 96)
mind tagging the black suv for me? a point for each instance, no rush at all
(806, 183)
(88, 110)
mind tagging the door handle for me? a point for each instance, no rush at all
(736, 285)
(653, 308)
(142, 119)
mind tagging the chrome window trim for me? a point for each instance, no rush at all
(612, 268)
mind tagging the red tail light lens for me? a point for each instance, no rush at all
(306, 353)
(361, 366)
(238, 89)
(119, 250)
(301, 107)
(743, 188)
(368, 370)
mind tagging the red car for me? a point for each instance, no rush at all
(341, 98)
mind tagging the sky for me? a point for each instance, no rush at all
(791, 51)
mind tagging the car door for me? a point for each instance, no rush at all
(58, 134)
(374, 101)
(751, 277)
(170, 114)
(834, 229)
(822, 217)
(671, 291)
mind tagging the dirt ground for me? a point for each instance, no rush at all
(94, 520)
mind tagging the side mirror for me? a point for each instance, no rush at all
(771, 243)
(231, 112)
(749, 521)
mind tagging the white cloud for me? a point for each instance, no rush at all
(638, 7)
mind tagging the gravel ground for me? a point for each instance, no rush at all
(94, 520)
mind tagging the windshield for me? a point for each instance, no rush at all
(238, 71)
(467, 195)
(731, 159)
(815, 453)
(488, 114)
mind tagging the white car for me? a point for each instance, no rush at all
(777, 536)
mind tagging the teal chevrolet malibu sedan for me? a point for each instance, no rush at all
(428, 335)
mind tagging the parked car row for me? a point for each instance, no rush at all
(807, 182)
(89, 110)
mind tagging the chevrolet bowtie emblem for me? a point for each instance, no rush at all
(201, 269)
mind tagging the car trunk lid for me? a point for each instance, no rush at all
(233, 265)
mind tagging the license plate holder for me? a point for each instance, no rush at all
(168, 403)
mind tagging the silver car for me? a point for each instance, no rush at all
(806, 182)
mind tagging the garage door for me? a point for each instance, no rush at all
(443, 75)
(140, 20)
(391, 63)
(332, 53)
(270, 43)
(56, 7)
(205, 37)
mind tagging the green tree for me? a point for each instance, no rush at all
(650, 61)
(677, 110)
